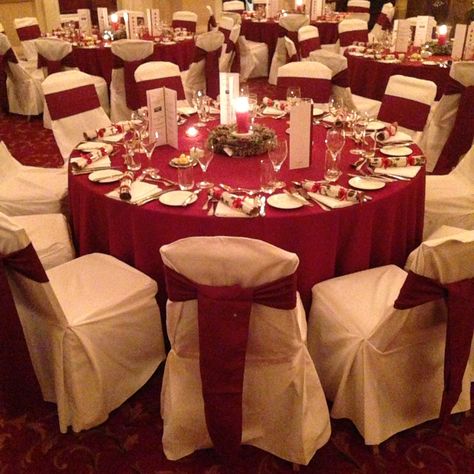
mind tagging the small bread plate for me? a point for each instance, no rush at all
(105, 176)
(176, 198)
(376, 125)
(283, 201)
(317, 112)
(366, 184)
(396, 150)
(174, 162)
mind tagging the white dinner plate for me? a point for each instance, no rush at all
(105, 176)
(366, 184)
(283, 201)
(317, 112)
(356, 53)
(376, 125)
(396, 150)
(176, 198)
(430, 63)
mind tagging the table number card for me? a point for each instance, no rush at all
(401, 35)
(459, 41)
(153, 21)
(301, 127)
(103, 19)
(273, 7)
(424, 30)
(85, 23)
(228, 90)
(135, 19)
(317, 9)
(162, 113)
(469, 47)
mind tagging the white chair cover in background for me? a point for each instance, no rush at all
(383, 22)
(351, 30)
(28, 30)
(125, 51)
(359, 9)
(233, 6)
(74, 107)
(284, 410)
(230, 57)
(253, 59)
(291, 52)
(450, 198)
(368, 354)
(211, 22)
(308, 40)
(184, 19)
(95, 324)
(26, 190)
(2, 29)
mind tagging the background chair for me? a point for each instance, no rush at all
(74, 107)
(211, 22)
(359, 9)
(92, 327)
(253, 59)
(283, 408)
(383, 367)
(230, 57)
(27, 29)
(184, 19)
(308, 40)
(233, 6)
(351, 30)
(383, 22)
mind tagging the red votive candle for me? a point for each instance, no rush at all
(442, 34)
(242, 115)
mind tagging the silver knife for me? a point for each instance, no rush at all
(190, 197)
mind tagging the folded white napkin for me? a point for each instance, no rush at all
(333, 203)
(223, 210)
(139, 191)
(408, 171)
(91, 146)
(103, 162)
(272, 111)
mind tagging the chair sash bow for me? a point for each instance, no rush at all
(72, 101)
(408, 113)
(211, 23)
(459, 297)
(55, 65)
(384, 21)
(453, 87)
(9, 57)
(341, 79)
(211, 69)
(223, 319)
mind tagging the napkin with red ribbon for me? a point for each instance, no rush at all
(114, 129)
(274, 107)
(334, 191)
(389, 131)
(84, 156)
(396, 161)
(245, 204)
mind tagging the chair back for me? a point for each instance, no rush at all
(54, 55)
(465, 168)
(12, 67)
(28, 30)
(308, 40)
(236, 6)
(359, 9)
(184, 19)
(407, 101)
(351, 30)
(230, 57)
(211, 22)
(291, 52)
(156, 74)
(236, 17)
(384, 20)
(74, 107)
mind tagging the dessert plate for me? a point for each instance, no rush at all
(396, 150)
(176, 198)
(283, 201)
(366, 184)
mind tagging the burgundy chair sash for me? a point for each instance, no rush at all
(223, 320)
(172, 82)
(318, 89)
(341, 79)
(408, 113)
(211, 69)
(226, 34)
(346, 38)
(462, 134)
(453, 87)
(235, 67)
(72, 101)
(189, 25)
(211, 23)
(19, 386)
(8, 57)
(459, 297)
(131, 89)
(55, 66)
(26, 33)
(357, 9)
(308, 45)
(384, 21)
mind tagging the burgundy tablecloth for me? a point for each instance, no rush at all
(369, 77)
(328, 244)
(98, 61)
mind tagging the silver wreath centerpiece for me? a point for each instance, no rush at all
(224, 140)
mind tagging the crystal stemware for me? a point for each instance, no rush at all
(335, 105)
(201, 103)
(204, 154)
(149, 143)
(277, 152)
(293, 95)
(335, 139)
(359, 128)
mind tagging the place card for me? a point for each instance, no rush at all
(85, 22)
(103, 19)
(401, 35)
(469, 47)
(317, 8)
(301, 118)
(153, 21)
(423, 30)
(459, 41)
(135, 20)
(162, 111)
(228, 90)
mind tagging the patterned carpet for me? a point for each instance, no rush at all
(130, 441)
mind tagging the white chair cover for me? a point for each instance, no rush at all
(2, 29)
(359, 9)
(28, 30)
(236, 17)
(308, 39)
(383, 22)
(291, 52)
(450, 198)
(28, 190)
(211, 22)
(127, 50)
(231, 53)
(184, 19)
(284, 409)
(351, 30)
(74, 107)
(93, 331)
(442, 120)
(233, 6)
(369, 354)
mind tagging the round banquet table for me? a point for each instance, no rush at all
(99, 60)
(328, 243)
(369, 77)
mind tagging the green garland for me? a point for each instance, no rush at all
(222, 137)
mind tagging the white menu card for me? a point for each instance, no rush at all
(424, 29)
(228, 91)
(85, 23)
(162, 115)
(317, 9)
(153, 21)
(459, 41)
(103, 19)
(469, 47)
(301, 118)
(401, 35)
(135, 19)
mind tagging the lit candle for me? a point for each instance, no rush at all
(299, 6)
(242, 115)
(114, 21)
(442, 34)
(192, 132)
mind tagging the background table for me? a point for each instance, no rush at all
(328, 243)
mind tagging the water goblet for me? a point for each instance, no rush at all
(199, 101)
(149, 143)
(335, 140)
(253, 108)
(332, 169)
(335, 105)
(358, 133)
(293, 95)
(204, 154)
(129, 145)
(277, 153)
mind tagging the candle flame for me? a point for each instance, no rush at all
(443, 29)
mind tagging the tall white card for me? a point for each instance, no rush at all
(135, 20)
(273, 7)
(103, 19)
(401, 35)
(469, 47)
(317, 9)
(85, 23)
(228, 90)
(459, 41)
(162, 115)
(424, 29)
(153, 21)
(301, 119)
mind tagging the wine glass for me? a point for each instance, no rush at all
(244, 90)
(335, 105)
(200, 102)
(203, 154)
(129, 143)
(253, 108)
(293, 95)
(359, 128)
(277, 152)
(335, 139)
(149, 143)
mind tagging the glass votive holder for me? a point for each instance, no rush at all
(186, 177)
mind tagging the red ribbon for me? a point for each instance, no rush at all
(317, 89)
(53, 65)
(358, 9)
(453, 87)
(308, 45)
(26, 33)
(72, 101)
(172, 82)
(341, 79)
(223, 317)
(211, 69)
(459, 297)
(19, 387)
(346, 38)
(131, 89)
(384, 21)
(189, 25)
(408, 113)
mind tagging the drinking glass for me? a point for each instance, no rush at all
(335, 105)
(293, 95)
(332, 169)
(266, 176)
(204, 154)
(186, 178)
(201, 103)
(277, 152)
(253, 108)
(335, 140)
(358, 133)
(129, 143)
(149, 143)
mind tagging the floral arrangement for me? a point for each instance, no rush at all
(223, 140)
(438, 49)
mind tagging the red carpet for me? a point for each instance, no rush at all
(130, 441)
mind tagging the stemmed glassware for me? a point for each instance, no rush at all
(335, 105)
(204, 154)
(140, 124)
(129, 143)
(253, 108)
(277, 153)
(359, 128)
(335, 139)
(149, 143)
(293, 95)
(201, 103)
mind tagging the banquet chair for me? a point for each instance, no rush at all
(351, 30)
(313, 79)
(236, 17)
(23, 87)
(184, 19)
(230, 57)
(454, 108)
(382, 367)
(67, 18)
(383, 22)
(219, 327)
(449, 198)
(288, 26)
(74, 106)
(225, 26)
(407, 101)
(203, 73)
(26, 190)
(92, 328)
(308, 40)
(359, 9)
(156, 74)
(27, 29)
(236, 6)
(253, 58)
(127, 55)
(291, 51)
(211, 22)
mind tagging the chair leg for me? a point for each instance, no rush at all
(296, 467)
